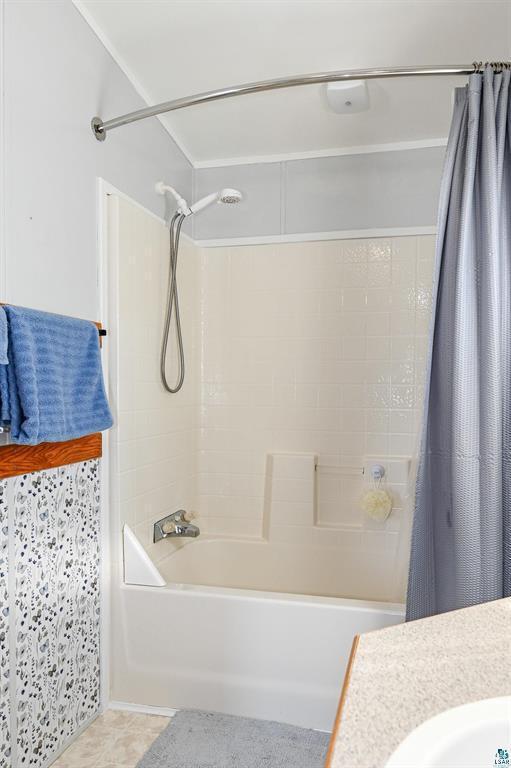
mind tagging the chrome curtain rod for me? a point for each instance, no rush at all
(100, 128)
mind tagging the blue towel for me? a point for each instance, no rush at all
(4, 394)
(52, 389)
(3, 337)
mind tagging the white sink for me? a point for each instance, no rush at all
(475, 735)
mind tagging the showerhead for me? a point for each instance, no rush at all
(227, 196)
(230, 196)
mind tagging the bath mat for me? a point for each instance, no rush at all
(208, 740)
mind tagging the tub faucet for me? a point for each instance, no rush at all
(176, 525)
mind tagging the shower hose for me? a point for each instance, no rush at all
(173, 309)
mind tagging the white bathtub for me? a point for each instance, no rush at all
(273, 566)
(263, 654)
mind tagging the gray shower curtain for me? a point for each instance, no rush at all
(461, 539)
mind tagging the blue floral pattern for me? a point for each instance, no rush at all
(57, 606)
(5, 742)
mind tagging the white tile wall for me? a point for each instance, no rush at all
(155, 437)
(311, 348)
(315, 349)
(291, 491)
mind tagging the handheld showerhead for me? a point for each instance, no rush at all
(230, 196)
(204, 202)
(227, 196)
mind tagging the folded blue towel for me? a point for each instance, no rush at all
(3, 337)
(52, 389)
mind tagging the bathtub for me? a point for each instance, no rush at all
(274, 566)
(211, 639)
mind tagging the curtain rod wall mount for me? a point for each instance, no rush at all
(97, 128)
(100, 128)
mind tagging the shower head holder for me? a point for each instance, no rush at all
(182, 206)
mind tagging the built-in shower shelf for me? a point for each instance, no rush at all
(22, 459)
(336, 469)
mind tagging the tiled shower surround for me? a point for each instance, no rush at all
(310, 347)
(314, 348)
(49, 656)
(155, 437)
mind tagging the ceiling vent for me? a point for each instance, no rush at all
(348, 97)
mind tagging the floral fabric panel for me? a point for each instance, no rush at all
(57, 606)
(5, 739)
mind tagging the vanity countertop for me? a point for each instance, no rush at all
(401, 676)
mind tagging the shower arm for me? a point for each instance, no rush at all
(100, 128)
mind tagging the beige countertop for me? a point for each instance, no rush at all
(403, 675)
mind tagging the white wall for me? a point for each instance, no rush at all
(379, 190)
(57, 75)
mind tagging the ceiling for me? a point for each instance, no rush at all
(174, 48)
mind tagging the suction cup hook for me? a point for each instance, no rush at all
(377, 472)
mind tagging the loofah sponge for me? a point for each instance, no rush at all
(377, 504)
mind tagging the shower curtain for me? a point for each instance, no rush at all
(461, 538)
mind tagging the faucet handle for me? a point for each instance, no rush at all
(168, 526)
(189, 516)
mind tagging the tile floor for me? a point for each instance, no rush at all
(114, 740)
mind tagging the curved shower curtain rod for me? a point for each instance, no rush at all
(100, 128)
